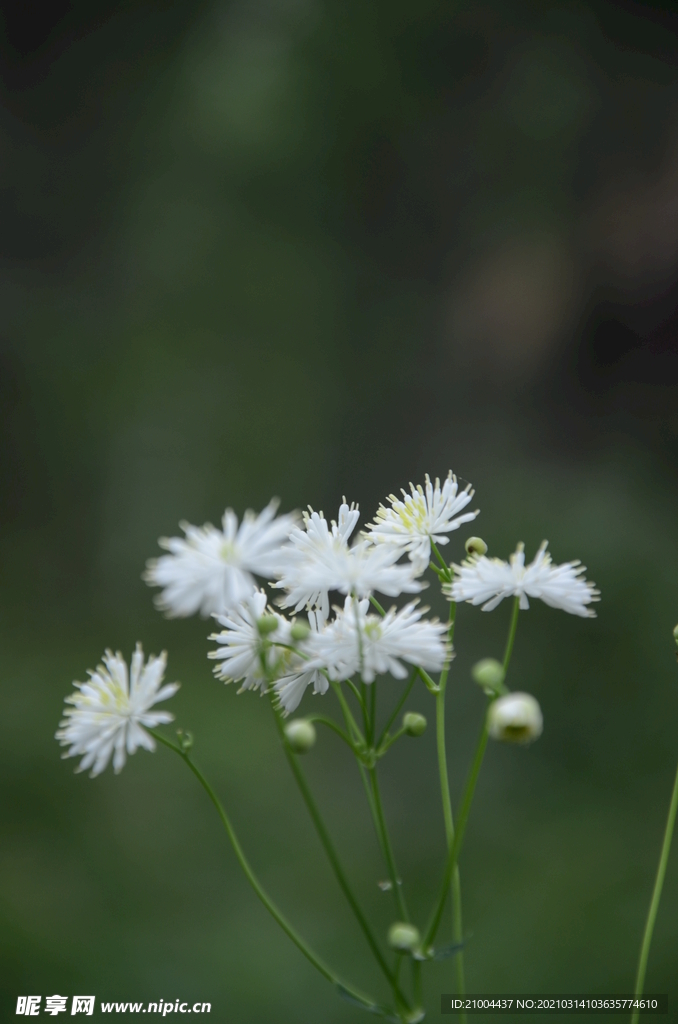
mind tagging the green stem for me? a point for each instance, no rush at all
(351, 723)
(252, 879)
(656, 896)
(467, 798)
(333, 726)
(382, 830)
(396, 710)
(388, 742)
(443, 564)
(428, 682)
(328, 846)
(457, 924)
(375, 604)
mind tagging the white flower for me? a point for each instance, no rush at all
(211, 570)
(108, 712)
(360, 642)
(291, 687)
(488, 581)
(318, 560)
(427, 514)
(306, 546)
(246, 656)
(515, 718)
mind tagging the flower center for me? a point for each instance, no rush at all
(372, 629)
(415, 514)
(228, 552)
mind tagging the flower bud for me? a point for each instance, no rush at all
(515, 718)
(675, 634)
(299, 631)
(300, 735)
(475, 546)
(267, 624)
(489, 673)
(403, 937)
(414, 724)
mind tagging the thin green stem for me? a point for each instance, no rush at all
(382, 830)
(443, 564)
(388, 742)
(351, 723)
(396, 710)
(656, 896)
(375, 604)
(367, 729)
(428, 682)
(457, 924)
(252, 879)
(356, 693)
(373, 711)
(333, 726)
(467, 798)
(512, 633)
(333, 858)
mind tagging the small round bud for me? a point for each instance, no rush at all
(475, 546)
(267, 624)
(300, 735)
(489, 673)
(299, 631)
(515, 718)
(403, 937)
(675, 633)
(414, 724)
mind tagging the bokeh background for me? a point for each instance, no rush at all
(312, 249)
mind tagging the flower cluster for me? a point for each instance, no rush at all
(304, 561)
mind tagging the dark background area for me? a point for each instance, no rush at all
(310, 250)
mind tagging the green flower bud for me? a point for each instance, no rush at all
(489, 673)
(403, 937)
(299, 631)
(414, 724)
(515, 718)
(675, 634)
(267, 624)
(300, 735)
(475, 546)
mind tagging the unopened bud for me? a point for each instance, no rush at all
(414, 724)
(299, 631)
(475, 546)
(267, 624)
(489, 673)
(403, 937)
(675, 634)
(300, 735)
(515, 718)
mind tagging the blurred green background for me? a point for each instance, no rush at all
(313, 249)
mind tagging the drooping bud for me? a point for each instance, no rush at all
(403, 937)
(414, 724)
(267, 624)
(515, 718)
(489, 673)
(299, 631)
(300, 735)
(475, 546)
